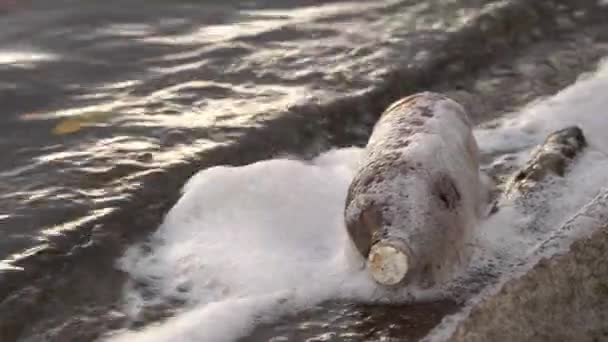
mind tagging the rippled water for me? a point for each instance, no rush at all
(96, 94)
(110, 106)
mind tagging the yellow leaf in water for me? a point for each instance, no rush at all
(68, 126)
(76, 123)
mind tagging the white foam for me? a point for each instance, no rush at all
(582, 104)
(505, 241)
(510, 236)
(247, 244)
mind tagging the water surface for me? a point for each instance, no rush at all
(109, 107)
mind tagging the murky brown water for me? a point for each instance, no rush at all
(110, 106)
(351, 322)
